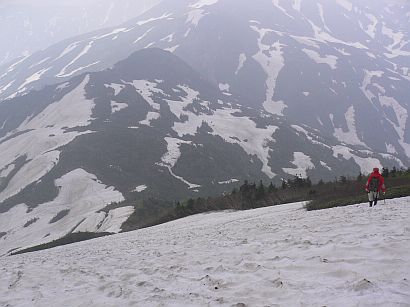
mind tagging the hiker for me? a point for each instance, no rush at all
(374, 185)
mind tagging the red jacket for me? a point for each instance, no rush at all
(377, 175)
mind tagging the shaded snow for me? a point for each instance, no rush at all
(346, 256)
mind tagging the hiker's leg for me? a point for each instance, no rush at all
(370, 194)
(376, 198)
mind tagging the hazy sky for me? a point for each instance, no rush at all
(31, 25)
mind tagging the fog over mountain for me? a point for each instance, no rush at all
(28, 26)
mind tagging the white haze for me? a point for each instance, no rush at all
(28, 26)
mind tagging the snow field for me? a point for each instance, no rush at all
(81, 195)
(283, 255)
(45, 133)
(272, 64)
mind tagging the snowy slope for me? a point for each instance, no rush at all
(150, 127)
(281, 256)
(340, 67)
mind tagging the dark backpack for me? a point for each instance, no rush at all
(374, 184)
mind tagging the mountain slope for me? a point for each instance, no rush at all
(277, 255)
(149, 127)
(339, 67)
(29, 26)
(249, 92)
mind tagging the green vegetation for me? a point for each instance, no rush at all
(68, 239)
(342, 191)
(351, 191)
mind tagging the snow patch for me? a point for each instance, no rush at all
(140, 188)
(172, 49)
(34, 77)
(242, 60)
(283, 10)
(402, 119)
(116, 87)
(371, 29)
(350, 136)
(232, 128)
(150, 117)
(46, 132)
(201, 3)
(329, 60)
(347, 5)
(5, 87)
(224, 87)
(296, 5)
(171, 157)
(143, 35)
(366, 164)
(79, 192)
(63, 72)
(302, 163)
(67, 50)
(164, 16)
(325, 165)
(228, 181)
(271, 59)
(195, 16)
(147, 90)
(118, 106)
